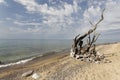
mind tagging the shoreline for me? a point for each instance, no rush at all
(28, 65)
(16, 63)
(28, 59)
(60, 66)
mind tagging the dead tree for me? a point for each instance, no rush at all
(78, 49)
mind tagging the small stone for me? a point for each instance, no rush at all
(35, 76)
(28, 73)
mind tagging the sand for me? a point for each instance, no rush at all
(63, 67)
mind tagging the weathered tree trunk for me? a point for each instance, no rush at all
(78, 50)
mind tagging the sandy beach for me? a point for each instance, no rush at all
(61, 66)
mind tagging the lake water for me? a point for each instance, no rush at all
(11, 50)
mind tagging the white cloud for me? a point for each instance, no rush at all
(111, 15)
(46, 27)
(27, 23)
(2, 1)
(32, 6)
(34, 30)
(92, 13)
(58, 19)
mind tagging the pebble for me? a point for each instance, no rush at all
(28, 73)
(35, 76)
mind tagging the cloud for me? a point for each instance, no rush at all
(2, 1)
(27, 23)
(58, 19)
(92, 13)
(65, 9)
(110, 26)
(27, 30)
(111, 14)
(51, 14)
(62, 17)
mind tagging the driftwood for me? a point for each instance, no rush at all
(88, 50)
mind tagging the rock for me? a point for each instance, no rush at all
(28, 73)
(35, 76)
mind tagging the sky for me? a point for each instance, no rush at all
(57, 19)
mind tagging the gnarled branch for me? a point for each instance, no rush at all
(78, 40)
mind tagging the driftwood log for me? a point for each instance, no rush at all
(88, 50)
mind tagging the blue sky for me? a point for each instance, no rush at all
(57, 19)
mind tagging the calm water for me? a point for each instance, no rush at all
(17, 49)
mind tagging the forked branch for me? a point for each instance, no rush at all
(91, 30)
(78, 47)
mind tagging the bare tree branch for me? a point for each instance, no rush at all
(78, 47)
(91, 30)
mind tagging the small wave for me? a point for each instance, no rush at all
(19, 62)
